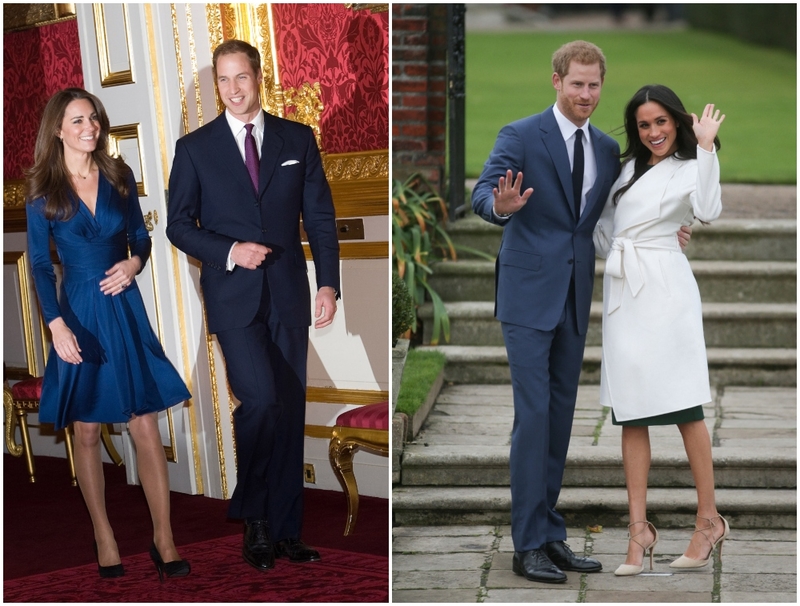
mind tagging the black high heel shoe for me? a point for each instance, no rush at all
(108, 572)
(178, 568)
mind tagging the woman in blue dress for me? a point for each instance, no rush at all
(109, 366)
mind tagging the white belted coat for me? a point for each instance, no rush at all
(654, 354)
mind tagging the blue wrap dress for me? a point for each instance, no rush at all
(124, 370)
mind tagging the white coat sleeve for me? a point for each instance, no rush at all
(706, 199)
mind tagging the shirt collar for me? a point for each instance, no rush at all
(237, 125)
(566, 127)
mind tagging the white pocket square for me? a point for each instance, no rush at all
(290, 162)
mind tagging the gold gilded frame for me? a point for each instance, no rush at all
(19, 259)
(128, 132)
(107, 77)
(20, 16)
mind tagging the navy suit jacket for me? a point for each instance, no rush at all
(543, 243)
(212, 204)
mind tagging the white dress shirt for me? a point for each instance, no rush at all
(239, 132)
(568, 130)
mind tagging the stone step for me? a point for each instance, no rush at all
(667, 507)
(725, 239)
(727, 366)
(724, 324)
(718, 281)
(487, 465)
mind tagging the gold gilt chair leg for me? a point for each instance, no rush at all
(22, 415)
(341, 457)
(70, 455)
(11, 424)
(112, 452)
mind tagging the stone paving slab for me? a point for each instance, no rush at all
(758, 563)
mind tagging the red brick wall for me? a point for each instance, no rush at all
(419, 91)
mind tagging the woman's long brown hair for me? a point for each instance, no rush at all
(48, 178)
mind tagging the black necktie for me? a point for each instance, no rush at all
(577, 171)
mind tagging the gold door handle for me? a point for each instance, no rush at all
(150, 220)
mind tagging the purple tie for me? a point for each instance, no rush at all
(251, 155)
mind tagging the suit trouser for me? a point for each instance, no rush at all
(266, 367)
(545, 369)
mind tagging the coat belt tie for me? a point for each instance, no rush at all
(622, 264)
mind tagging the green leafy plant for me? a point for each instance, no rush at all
(402, 308)
(419, 214)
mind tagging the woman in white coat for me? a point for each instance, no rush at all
(670, 177)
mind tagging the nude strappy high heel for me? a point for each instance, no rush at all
(627, 570)
(684, 562)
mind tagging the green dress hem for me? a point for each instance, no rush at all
(671, 418)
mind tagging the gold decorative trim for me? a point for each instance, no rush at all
(308, 107)
(156, 83)
(215, 37)
(14, 219)
(17, 17)
(359, 182)
(171, 450)
(373, 8)
(322, 432)
(356, 250)
(212, 371)
(19, 258)
(187, 367)
(357, 166)
(127, 132)
(195, 70)
(107, 77)
(176, 36)
(332, 395)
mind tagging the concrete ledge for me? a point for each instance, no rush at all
(667, 507)
(416, 420)
(727, 366)
(475, 465)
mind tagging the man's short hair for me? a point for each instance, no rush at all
(581, 51)
(232, 46)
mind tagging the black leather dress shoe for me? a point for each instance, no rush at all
(296, 551)
(258, 550)
(561, 555)
(534, 565)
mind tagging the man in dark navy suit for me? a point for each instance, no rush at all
(546, 182)
(238, 189)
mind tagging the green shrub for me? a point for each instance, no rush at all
(402, 308)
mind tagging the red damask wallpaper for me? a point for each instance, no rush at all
(347, 52)
(37, 62)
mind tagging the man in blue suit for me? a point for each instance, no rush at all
(546, 182)
(238, 189)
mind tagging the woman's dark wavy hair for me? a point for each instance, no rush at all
(48, 178)
(686, 139)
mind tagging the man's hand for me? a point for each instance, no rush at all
(684, 235)
(325, 307)
(249, 254)
(507, 199)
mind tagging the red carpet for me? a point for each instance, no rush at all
(218, 575)
(47, 538)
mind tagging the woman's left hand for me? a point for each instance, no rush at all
(707, 127)
(120, 276)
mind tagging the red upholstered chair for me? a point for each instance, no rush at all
(18, 401)
(364, 427)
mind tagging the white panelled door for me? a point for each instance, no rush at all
(117, 67)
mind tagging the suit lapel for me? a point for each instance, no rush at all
(554, 142)
(229, 155)
(271, 148)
